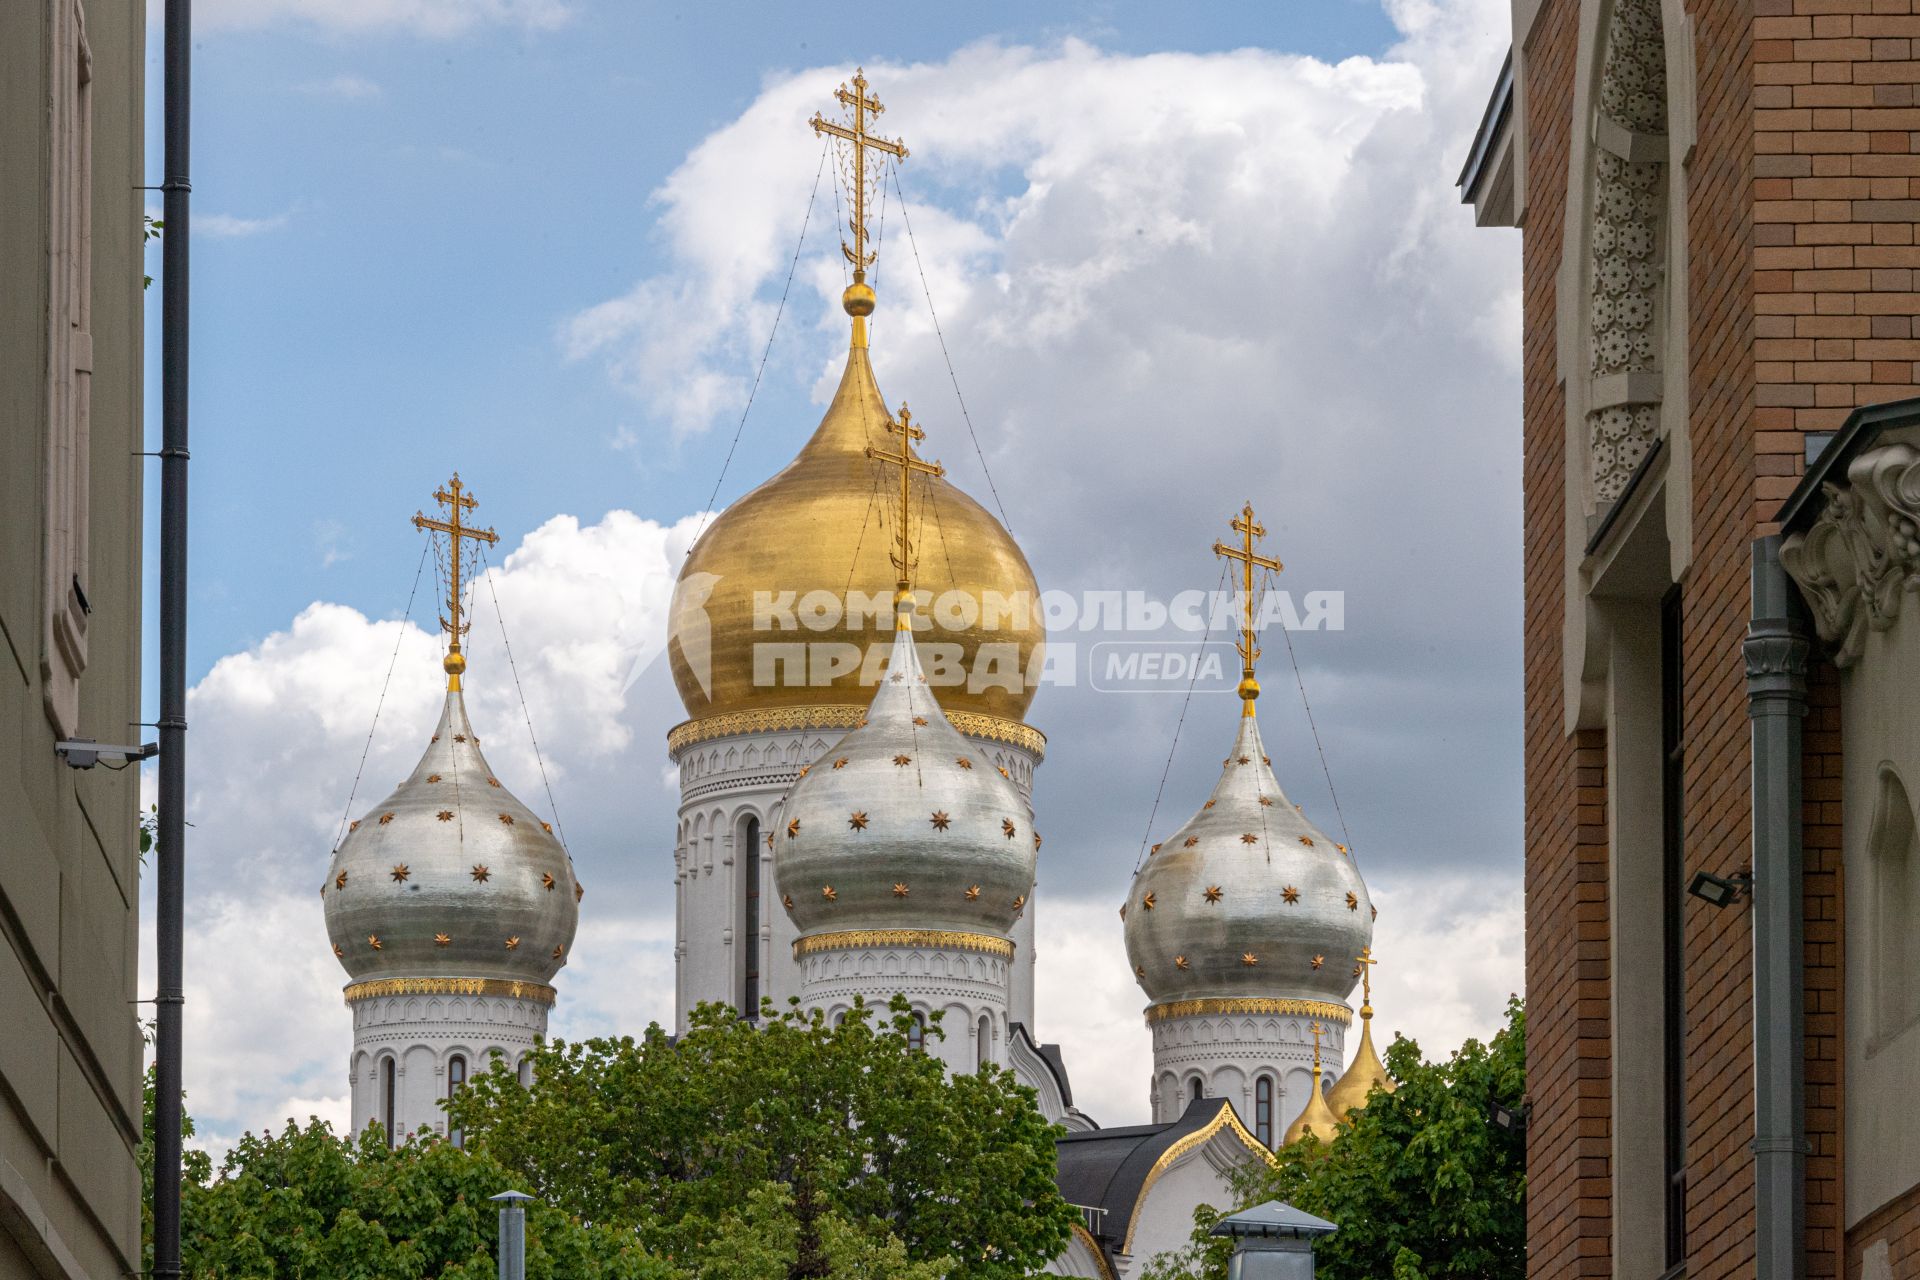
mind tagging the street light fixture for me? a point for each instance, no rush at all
(1721, 891)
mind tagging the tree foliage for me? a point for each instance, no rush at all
(1422, 1184)
(830, 1141)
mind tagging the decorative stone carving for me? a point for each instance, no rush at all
(1862, 555)
(1627, 256)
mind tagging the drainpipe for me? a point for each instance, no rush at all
(171, 849)
(1776, 658)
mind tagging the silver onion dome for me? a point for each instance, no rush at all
(904, 824)
(1247, 899)
(451, 876)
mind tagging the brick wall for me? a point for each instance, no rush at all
(1724, 432)
(1803, 192)
(1568, 1067)
(1835, 176)
(1898, 1224)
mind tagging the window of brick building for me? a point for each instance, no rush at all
(1672, 919)
(69, 368)
(1896, 906)
(749, 861)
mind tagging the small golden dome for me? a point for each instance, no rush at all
(823, 524)
(1354, 1088)
(1315, 1118)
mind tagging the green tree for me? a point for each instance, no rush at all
(304, 1204)
(1422, 1183)
(825, 1141)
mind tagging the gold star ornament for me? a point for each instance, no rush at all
(513, 943)
(899, 890)
(1290, 895)
(1249, 959)
(841, 763)
(1148, 901)
(442, 940)
(1353, 901)
(1180, 962)
(940, 820)
(445, 815)
(1249, 838)
(1319, 961)
(973, 892)
(400, 873)
(903, 761)
(793, 828)
(1213, 893)
(480, 873)
(1006, 825)
(546, 881)
(827, 892)
(857, 820)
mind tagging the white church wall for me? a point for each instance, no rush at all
(722, 783)
(421, 1034)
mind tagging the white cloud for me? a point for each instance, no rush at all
(227, 226)
(346, 85)
(278, 733)
(1168, 283)
(431, 18)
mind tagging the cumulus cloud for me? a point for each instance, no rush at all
(1168, 283)
(279, 731)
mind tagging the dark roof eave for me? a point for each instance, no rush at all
(1492, 121)
(1862, 427)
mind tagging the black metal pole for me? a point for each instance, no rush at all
(171, 852)
(1776, 652)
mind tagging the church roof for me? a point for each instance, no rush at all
(1111, 1170)
(904, 824)
(451, 876)
(1248, 898)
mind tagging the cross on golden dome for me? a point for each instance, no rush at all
(1250, 530)
(859, 104)
(457, 501)
(1366, 962)
(902, 557)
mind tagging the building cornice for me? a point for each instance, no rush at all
(1284, 1007)
(376, 988)
(1855, 561)
(842, 717)
(935, 939)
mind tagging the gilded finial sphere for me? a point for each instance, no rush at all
(1249, 689)
(455, 663)
(858, 299)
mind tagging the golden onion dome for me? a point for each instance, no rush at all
(781, 567)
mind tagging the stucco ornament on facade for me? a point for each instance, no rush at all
(1857, 562)
(1625, 245)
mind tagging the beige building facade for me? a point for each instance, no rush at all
(71, 142)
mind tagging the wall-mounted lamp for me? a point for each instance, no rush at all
(1508, 1119)
(1721, 891)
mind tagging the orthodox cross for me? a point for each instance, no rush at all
(859, 104)
(1249, 530)
(1316, 1028)
(908, 464)
(1366, 963)
(457, 501)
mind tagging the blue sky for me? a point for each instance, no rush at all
(1184, 257)
(417, 215)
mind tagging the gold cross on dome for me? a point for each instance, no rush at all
(1250, 530)
(1366, 962)
(1317, 1029)
(903, 426)
(457, 501)
(859, 106)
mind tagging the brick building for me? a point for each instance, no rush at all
(1718, 201)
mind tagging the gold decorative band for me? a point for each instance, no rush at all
(949, 939)
(1251, 1004)
(537, 991)
(973, 724)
